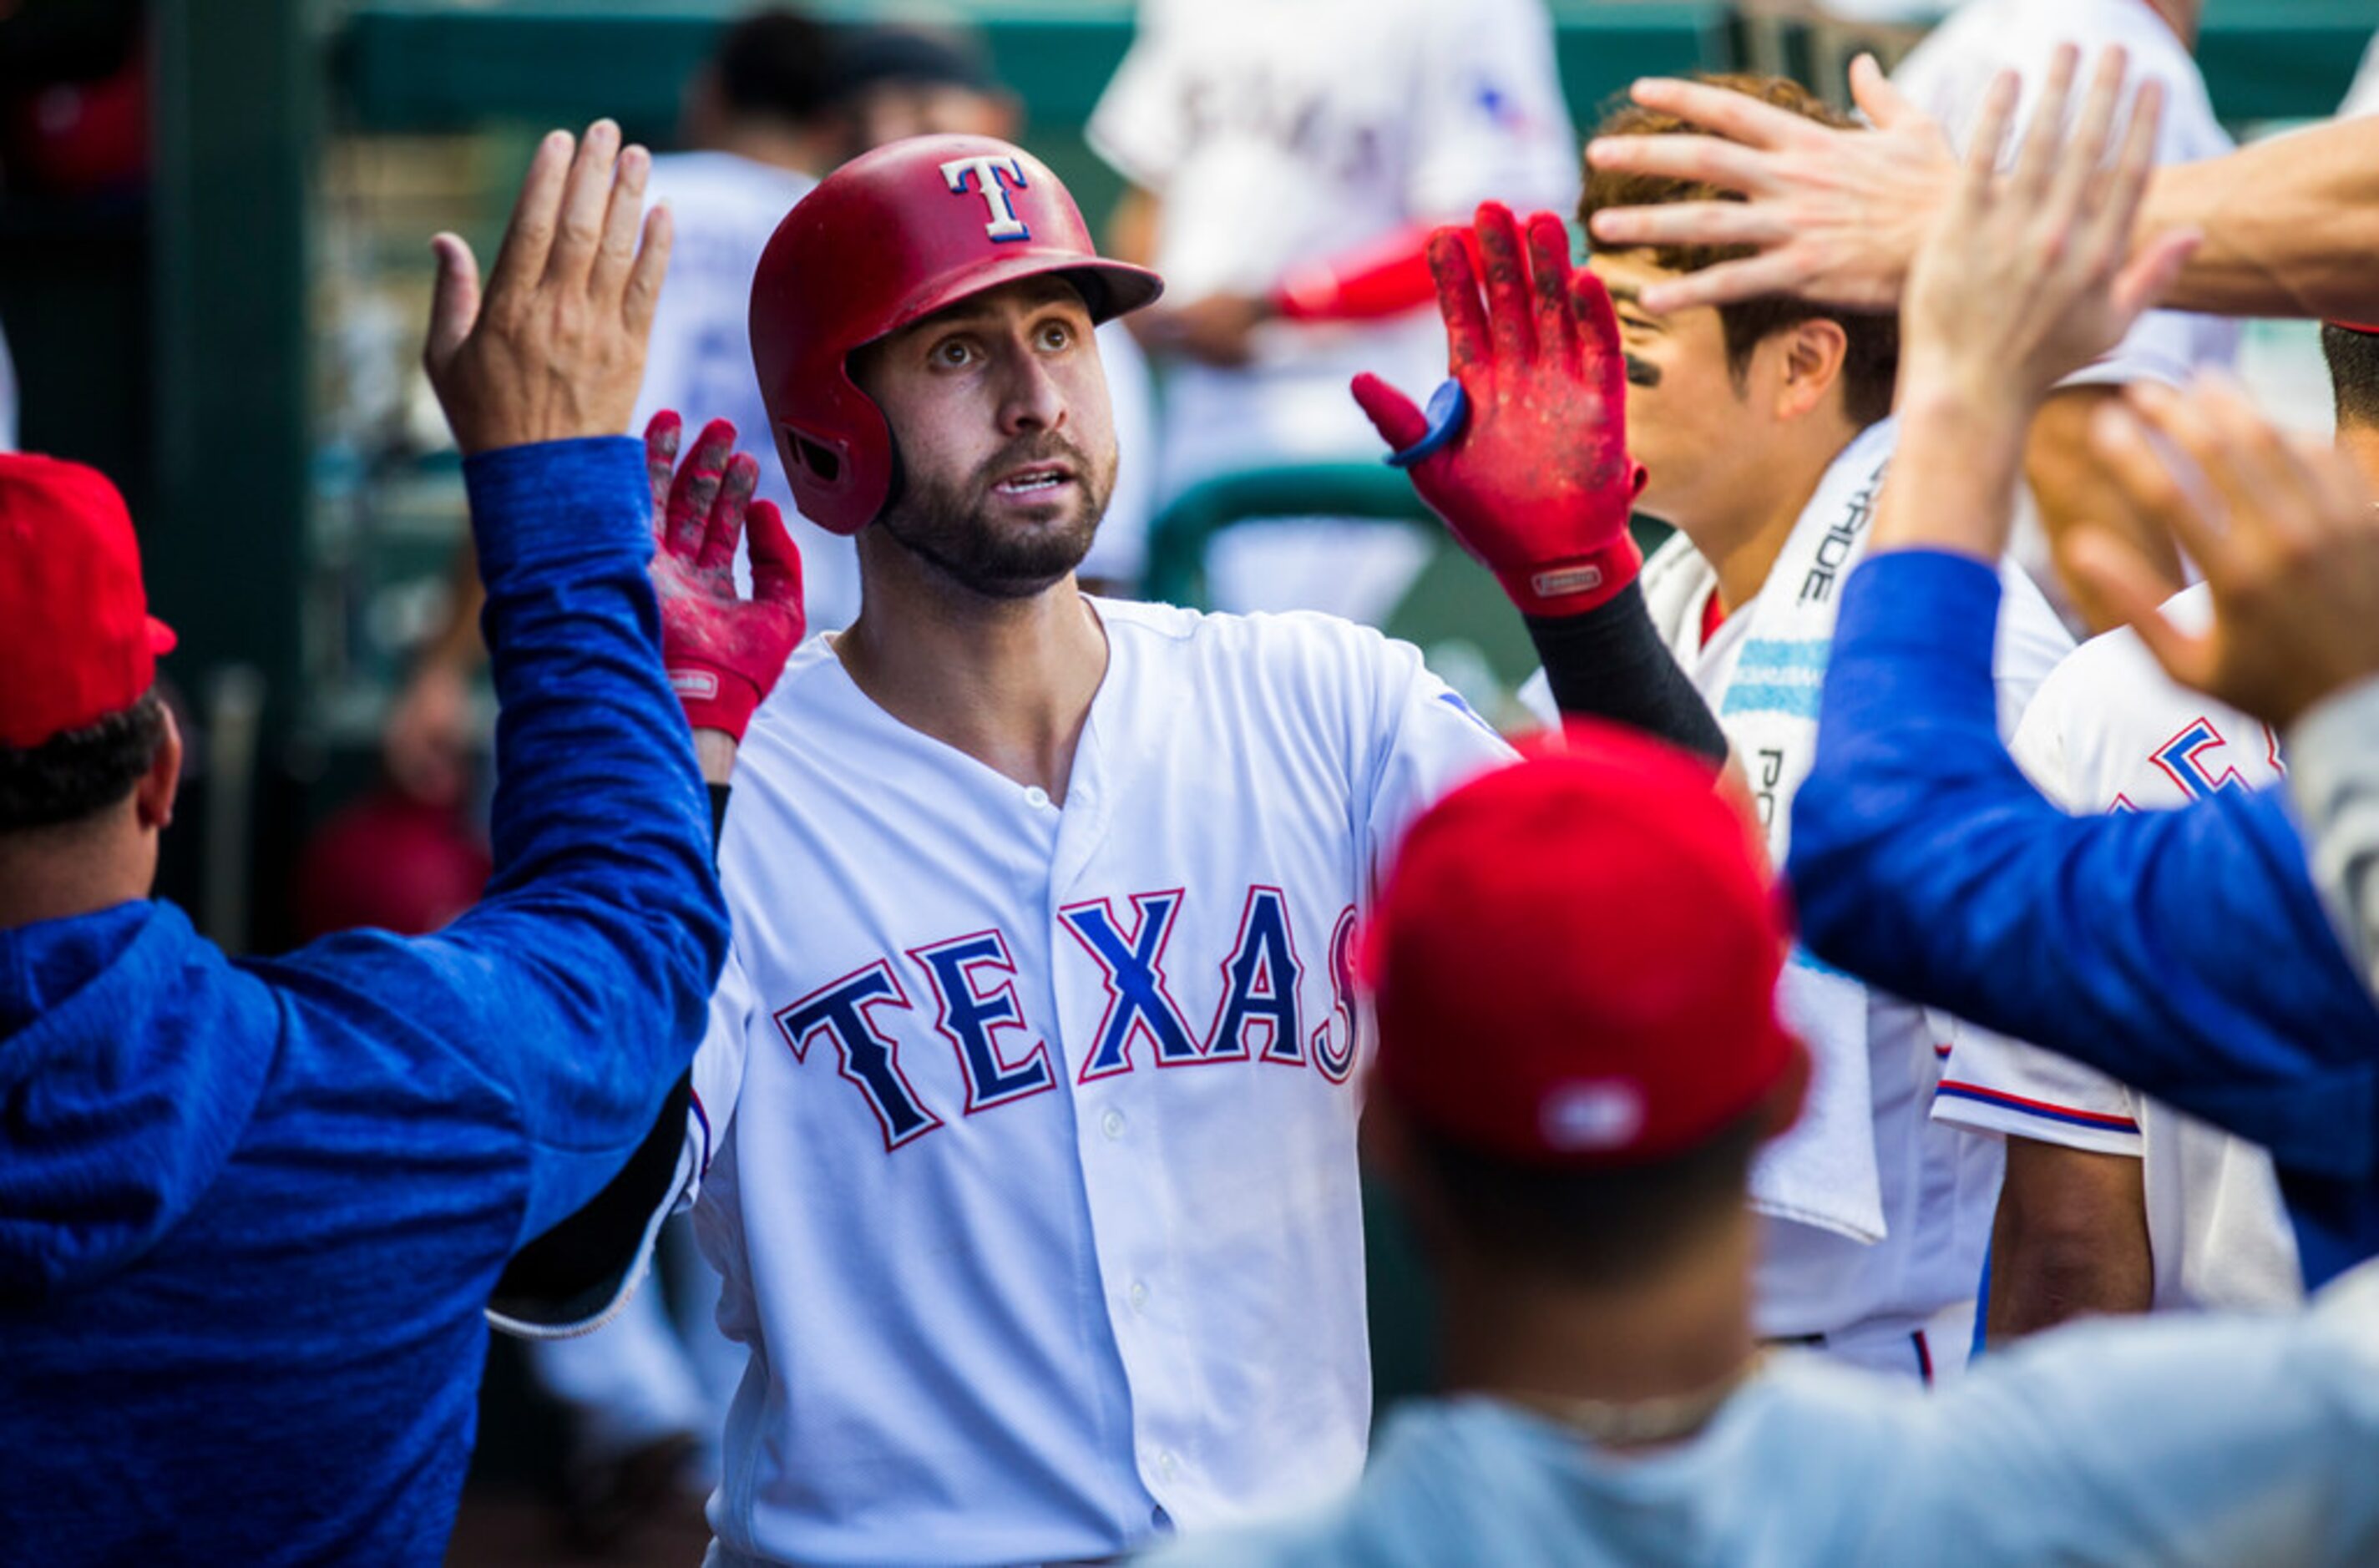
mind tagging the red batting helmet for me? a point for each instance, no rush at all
(892, 236)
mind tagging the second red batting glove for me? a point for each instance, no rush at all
(723, 652)
(1535, 481)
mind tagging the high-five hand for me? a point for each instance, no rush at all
(2284, 530)
(1537, 483)
(556, 349)
(2027, 276)
(723, 653)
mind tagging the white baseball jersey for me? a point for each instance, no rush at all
(2108, 731)
(699, 360)
(1034, 1186)
(1283, 132)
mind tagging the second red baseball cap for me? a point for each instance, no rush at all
(77, 640)
(1575, 960)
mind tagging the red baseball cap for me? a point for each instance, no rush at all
(1575, 959)
(77, 640)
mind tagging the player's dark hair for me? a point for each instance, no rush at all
(79, 773)
(1593, 1226)
(776, 63)
(1870, 357)
(2353, 359)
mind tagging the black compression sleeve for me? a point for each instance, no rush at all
(1610, 663)
(718, 793)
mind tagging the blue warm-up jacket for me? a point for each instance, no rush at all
(251, 1210)
(2183, 952)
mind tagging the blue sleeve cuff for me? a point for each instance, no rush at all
(558, 503)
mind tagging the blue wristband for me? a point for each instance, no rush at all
(1449, 410)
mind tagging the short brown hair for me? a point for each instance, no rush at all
(2352, 355)
(1870, 360)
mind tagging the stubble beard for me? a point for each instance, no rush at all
(949, 527)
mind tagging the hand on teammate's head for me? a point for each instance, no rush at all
(2028, 273)
(1835, 215)
(2283, 527)
(723, 652)
(555, 346)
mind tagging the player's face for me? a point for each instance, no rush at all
(998, 409)
(1689, 417)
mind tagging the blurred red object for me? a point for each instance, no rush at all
(392, 863)
(84, 137)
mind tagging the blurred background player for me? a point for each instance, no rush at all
(1946, 75)
(758, 126)
(1763, 428)
(1575, 967)
(1287, 161)
(2113, 1201)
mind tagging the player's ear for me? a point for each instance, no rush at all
(1812, 352)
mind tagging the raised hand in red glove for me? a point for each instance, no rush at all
(1537, 482)
(723, 653)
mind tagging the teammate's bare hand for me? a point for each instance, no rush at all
(2283, 528)
(1837, 216)
(556, 349)
(2027, 276)
(723, 653)
(1537, 485)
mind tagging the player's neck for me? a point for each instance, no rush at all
(2361, 445)
(1744, 543)
(777, 146)
(56, 873)
(1007, 682)
(1535, 1340)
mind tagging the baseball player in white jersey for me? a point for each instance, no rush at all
(2114, 1202)
(1025, 1127)
(1947, 75)
(1765, 433)
(1285, 161)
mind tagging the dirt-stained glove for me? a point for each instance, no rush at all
(723, 653)
(1527, 461)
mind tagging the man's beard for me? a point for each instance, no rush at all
(946, 524)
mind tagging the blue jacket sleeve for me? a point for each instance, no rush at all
(2184, 952)
(578, 984)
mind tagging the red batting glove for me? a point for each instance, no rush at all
(723, 653)
(1537, 485)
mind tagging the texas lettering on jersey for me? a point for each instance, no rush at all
(967, 986)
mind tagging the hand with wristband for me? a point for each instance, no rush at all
(1529, 463)
(723, 653)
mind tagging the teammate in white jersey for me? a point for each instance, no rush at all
(1764, 429)
(1285, 161)
(1024, 1132)
(1946, 76)
(2113, 1202)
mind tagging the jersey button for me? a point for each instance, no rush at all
(1037, 798)
(1111, 1123)
(1166, 1466)
(1138, 1294)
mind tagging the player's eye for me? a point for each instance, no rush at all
(1056, 335)
(952, 354)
